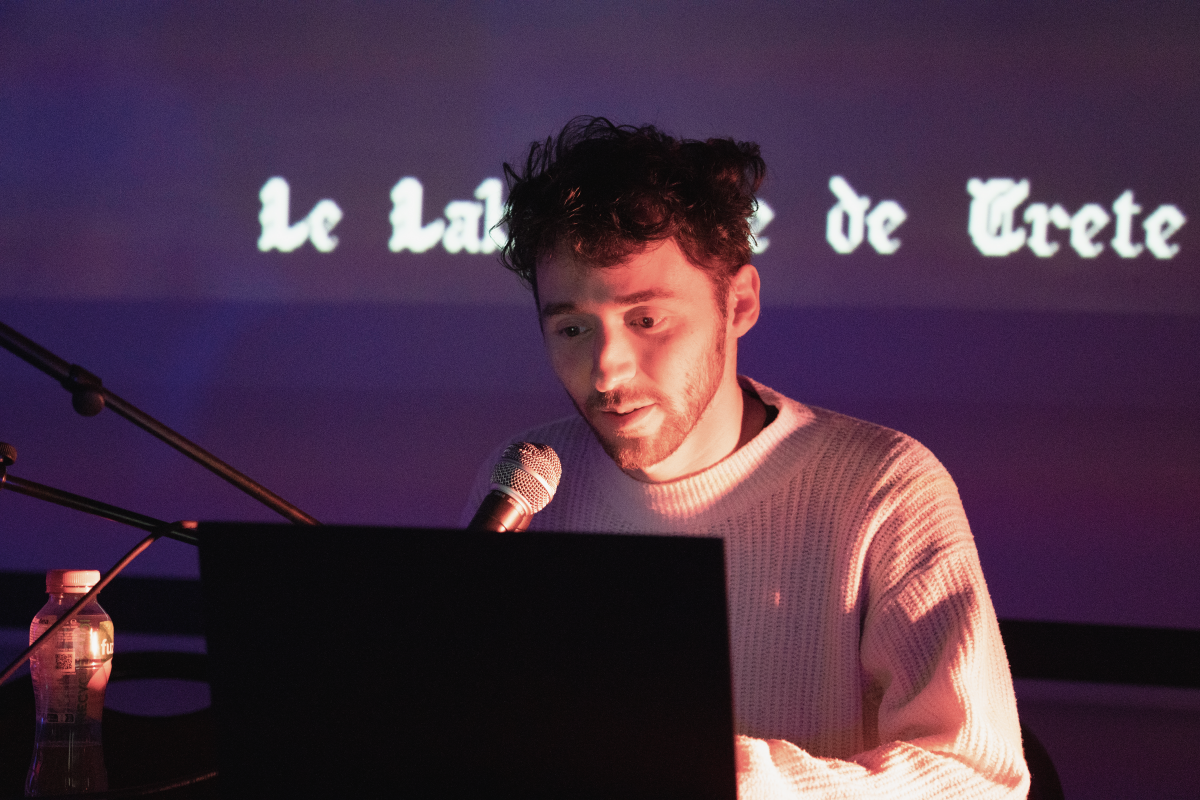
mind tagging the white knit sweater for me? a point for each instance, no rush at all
(867, 659)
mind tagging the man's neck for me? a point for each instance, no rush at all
(754, 417)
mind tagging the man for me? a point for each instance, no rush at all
(867, 659)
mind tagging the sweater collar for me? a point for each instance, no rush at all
(687, 498)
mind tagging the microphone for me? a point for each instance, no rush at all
(523, 483)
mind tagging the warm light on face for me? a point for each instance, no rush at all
(640, 348)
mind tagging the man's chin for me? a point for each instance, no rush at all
(637, 453)
(633, 453)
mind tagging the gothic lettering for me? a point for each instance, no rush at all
(1087, 222)
(848, 220)
(1126, 210)
(462, 231)
(278, 234)
(491, 193)
(408, 199)
(1161, 226)
(990, 220)
(844, 222)
(1040, 219)
(994, 201)
(882, 220)
(759, 220)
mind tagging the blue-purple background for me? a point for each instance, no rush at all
(366, 386)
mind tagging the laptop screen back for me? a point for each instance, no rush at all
(407, 662)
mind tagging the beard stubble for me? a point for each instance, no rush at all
(682, 412)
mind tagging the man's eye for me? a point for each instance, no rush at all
(645, 322)
(570, 331)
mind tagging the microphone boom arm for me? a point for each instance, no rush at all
(89, 397)
(95, 507)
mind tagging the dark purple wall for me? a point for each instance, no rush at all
(366, 385)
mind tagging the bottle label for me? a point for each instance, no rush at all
(73, 668)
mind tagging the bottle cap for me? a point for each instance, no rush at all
(71, 581)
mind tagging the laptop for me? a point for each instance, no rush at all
(402, 662)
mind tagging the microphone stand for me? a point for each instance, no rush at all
(89, 397)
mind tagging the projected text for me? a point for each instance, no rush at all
(992, 227)
(996, 223)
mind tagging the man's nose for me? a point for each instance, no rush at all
(614, 362)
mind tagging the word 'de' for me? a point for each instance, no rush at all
(847, 221)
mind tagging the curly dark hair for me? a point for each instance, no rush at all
(607, 191)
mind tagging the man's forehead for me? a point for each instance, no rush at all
(660, 271)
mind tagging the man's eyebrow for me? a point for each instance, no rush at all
(553, 309)
(643, 296)
(568, 307)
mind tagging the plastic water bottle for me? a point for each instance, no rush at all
(70, 673)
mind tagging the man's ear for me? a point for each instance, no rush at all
(743, 300)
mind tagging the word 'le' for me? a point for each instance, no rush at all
(995, 201)
(278, 234)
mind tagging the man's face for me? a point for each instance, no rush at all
(639, 347)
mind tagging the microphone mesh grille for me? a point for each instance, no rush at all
(518, 466)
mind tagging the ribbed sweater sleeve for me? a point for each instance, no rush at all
(867, 659)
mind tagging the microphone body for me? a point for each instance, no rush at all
(502, 513)
(523, 483)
